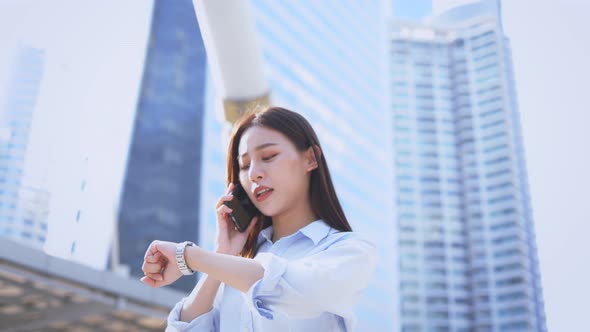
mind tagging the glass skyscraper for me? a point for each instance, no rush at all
(327, 60)
(23, 209)
(468, 258)
(161, 191)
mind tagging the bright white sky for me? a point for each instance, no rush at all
(551, 52)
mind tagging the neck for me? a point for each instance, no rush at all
(291, 221)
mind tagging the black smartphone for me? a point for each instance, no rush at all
(243, 210)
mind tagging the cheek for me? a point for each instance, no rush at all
(243, 178)
(293, 175)
(245, 181)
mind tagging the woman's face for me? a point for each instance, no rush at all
(272, 171)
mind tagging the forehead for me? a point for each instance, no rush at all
(257, 135)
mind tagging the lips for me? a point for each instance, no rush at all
(261, 193)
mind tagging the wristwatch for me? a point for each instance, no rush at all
(180, 261)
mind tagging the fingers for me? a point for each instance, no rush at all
(152, 279)
(223, 209)
(153, 270)
(151, 282)
(155, 276)
(156, 264)
(152, 267)
(226, 197)
(153, 258)
(148, 281)
(151, 250)
(222, 216)
(229, 188)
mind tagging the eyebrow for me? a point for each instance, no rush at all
(260, 147)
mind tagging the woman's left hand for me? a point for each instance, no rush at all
(159, 264)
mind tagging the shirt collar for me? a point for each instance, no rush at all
(266, 234)
(315, 231)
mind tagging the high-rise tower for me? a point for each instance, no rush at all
(162, 187)
(23, 209)
(468, 258)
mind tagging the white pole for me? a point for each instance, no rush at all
(233, 50)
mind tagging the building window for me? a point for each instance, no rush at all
(508, 267)
(510, 281)
(505, 239)
(510, 296)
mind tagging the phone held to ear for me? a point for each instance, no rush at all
(243, 210)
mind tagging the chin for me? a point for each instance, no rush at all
(268, 213)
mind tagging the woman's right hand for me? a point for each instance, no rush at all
(230, 241)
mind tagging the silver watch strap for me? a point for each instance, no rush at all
(180, 259)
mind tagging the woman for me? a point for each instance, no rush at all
(297, 267)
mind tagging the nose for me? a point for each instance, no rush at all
(256, 173)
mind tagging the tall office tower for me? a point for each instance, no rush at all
(16, 116)
(468, 258)
(326, 60)
(161, 191)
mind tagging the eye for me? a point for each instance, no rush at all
(269, 157)
(244, 165)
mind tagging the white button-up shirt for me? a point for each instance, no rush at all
(312, 280)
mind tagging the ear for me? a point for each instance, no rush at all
(310, 157)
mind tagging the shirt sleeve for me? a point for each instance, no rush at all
(207, 322)
(328, 281)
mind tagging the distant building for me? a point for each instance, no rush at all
(467, 248)
(161, 192)
(23, 210)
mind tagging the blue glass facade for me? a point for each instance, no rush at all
(468, 259)
(161, 191)
(326, 60)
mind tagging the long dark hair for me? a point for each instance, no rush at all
(324, 201)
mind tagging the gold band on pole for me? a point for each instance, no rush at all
(234, 109)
